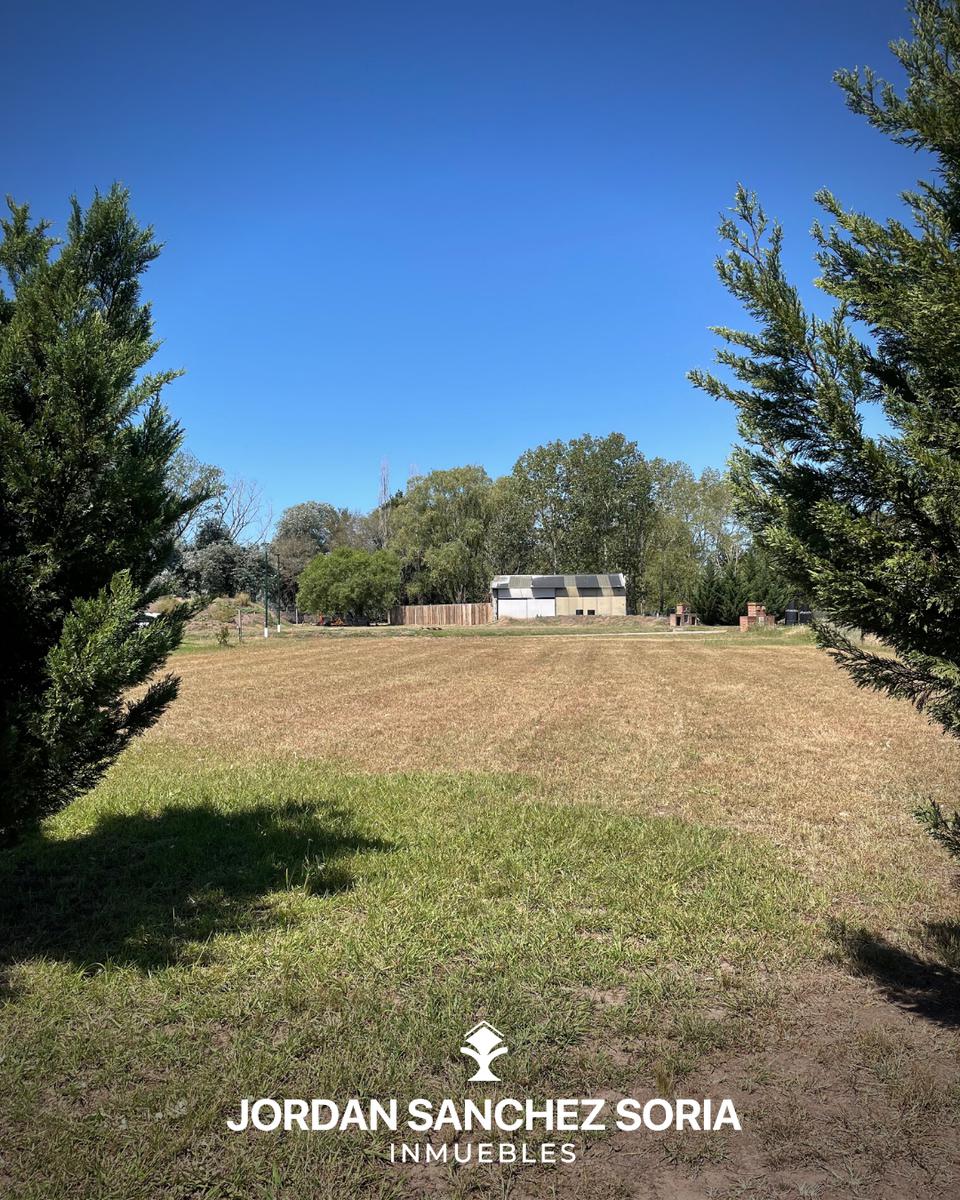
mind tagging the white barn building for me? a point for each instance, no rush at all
(527, 596)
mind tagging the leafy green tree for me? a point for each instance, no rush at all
(313, 527)
(717, 533)
(303, 531)
(359, 531)
(215, 565)
(288, 558)
(539, 519)
(358, 584)
(223, 568)
(188, 476)
(88, 515)
(440, 533)
(511, 535)
(611, 506)
(211, 532)
(324, 526)
(868, 526)
(694, 525)
(671, 563)
(585, 505)
(311, 522)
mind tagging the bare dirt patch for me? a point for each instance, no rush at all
(818, 1122)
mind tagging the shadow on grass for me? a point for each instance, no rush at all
(926, 986)
(147, 890)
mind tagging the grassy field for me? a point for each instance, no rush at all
(660, 864)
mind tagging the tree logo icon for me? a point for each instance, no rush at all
(484, 1043)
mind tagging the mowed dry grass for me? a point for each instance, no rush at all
(769, 738)
(234, 919)
(851, 1075)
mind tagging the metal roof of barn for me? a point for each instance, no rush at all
(559, 581)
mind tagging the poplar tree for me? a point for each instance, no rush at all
(866, 524)
(88, 514)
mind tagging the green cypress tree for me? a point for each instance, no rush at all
(760, 580)
(87, 516)
(866, 526)
(734, 594)
(706, 599)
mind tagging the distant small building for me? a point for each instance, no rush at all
(757, 616)
(682, 617)
(527, 596)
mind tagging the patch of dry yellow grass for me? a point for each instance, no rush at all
(766, 738)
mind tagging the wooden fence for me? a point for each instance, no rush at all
(442, 614)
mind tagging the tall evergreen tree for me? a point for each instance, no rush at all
(868, 526)
(87, 511)
(722, 593)
(707, 598)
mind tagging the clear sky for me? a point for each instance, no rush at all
(442, 232)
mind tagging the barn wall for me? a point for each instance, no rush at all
(605, 606)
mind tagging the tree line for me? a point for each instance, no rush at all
(591, 504)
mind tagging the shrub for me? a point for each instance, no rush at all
(352, 583)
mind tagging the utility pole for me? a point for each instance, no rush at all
(278, 591)
(266, 569)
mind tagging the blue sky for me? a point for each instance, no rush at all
(440, 233)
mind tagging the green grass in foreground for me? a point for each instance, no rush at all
(195, 932)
